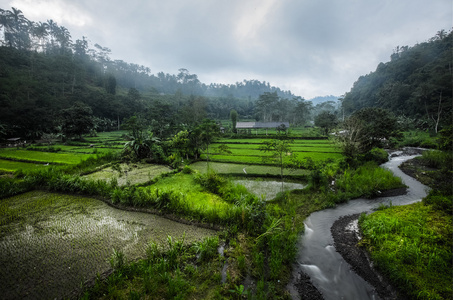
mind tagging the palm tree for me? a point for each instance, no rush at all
(40, 32)
(64, 38)
(17, 29)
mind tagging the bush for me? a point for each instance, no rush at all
(377, 155)
(187, 170)
(211, 181)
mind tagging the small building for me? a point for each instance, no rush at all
(249, 126)
(15, 142)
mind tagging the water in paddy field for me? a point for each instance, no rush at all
(317, 256)
(268, 188)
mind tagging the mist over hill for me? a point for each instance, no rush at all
(43, 73)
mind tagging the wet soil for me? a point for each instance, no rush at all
(346, 239)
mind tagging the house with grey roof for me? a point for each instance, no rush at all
(249, 126)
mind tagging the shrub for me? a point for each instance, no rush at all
(367, 180)
(377, 155)
(187, 170)
(211, 181)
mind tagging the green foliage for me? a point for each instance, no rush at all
(327, 121)
(366, 181)
(207, 249)
(415, 83)
(234, 119)
(117, 260)
(412, 245)
(77, 120)
(377, 155)
(445, 138)
(413, 138)
(211, 181)
(366, 129)
(439, 201)
(438, 159)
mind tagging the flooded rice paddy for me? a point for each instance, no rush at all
(268, 189)
(130, 174)
(51, 243)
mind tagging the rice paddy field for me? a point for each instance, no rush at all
(245, 169)
(51, 243)
(129, 174)
(268, 189)
(246, 151)
(37, 156)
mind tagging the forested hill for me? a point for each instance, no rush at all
(43, 72)
(48, 38)
(416, 83)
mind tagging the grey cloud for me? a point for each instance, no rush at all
(314, 47)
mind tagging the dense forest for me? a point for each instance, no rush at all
(416, 84)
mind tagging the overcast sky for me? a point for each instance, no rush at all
(311, 47)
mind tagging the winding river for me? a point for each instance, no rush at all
(317, 256)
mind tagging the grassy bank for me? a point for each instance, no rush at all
(412, 245)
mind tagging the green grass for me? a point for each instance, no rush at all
(247, 150)
(412, 245)
(367, 181)
(193, 194)
(44, 157)
(33, 157)
(11, 166)
(315, 156)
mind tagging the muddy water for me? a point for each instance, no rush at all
(317, 256)
(60, 241)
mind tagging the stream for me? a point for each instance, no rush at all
(317, 256)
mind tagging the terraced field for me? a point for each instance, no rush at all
(246, 151)
(130, 174)
(39, 156)
(51, 243)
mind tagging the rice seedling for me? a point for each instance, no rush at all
(70, 237)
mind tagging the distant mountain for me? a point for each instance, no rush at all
(322, 99)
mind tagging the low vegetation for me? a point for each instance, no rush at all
(412, 245)
(257, 238)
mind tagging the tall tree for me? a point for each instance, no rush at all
(327, 121)
(234, 119)
(77, 120)
(279, 148)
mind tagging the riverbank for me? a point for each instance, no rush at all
(346, 237)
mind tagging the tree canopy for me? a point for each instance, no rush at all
(415, 83)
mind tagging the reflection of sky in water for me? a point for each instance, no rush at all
(268, 189)
(66, 247)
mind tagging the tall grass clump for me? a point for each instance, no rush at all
(367, 180)
(438, 159)
(412, 246)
